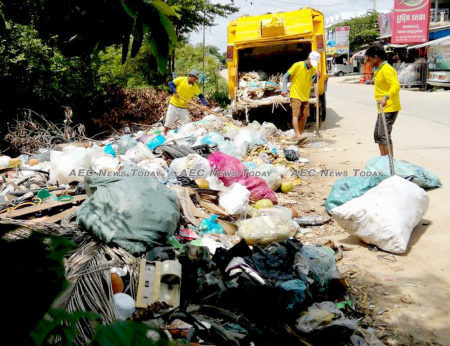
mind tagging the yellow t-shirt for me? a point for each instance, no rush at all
(185, 91)
(301, 80)
(386, 84)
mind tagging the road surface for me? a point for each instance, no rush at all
(411, 295)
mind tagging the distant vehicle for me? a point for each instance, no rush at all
(439, 78)
(439, 63)
(340, 69)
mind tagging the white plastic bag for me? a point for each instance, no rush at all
(266, 229)
(248, 137)
(216, 184)
(71, 164)
(107, 163)
(138, 153)
(235, 199)
(385, 215)
(269, 129)
(271, 175)
(192, 166)
(156, 167)
(4, 161)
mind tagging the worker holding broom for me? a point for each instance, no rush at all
(302, 74)
(387, 95)
(183, 89)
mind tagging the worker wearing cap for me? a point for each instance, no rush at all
(183, 89)
(301, 74)
(387, 95)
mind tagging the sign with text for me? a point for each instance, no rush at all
(411, 21)
(342, 39)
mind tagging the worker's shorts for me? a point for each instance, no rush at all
(379, 134)
(299, 108)
(174, 114)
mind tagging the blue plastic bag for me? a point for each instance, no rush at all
(419, 175)
(156, 142)
(345, 189)
(208, 226)
(109, 150)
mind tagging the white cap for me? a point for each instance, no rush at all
(314, 57)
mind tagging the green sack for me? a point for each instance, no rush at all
(418, 175)
(132, 211)
(345, 189)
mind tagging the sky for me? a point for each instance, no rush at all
(332, 9)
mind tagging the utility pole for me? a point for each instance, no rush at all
(436, 10)
(204, 54)
(374, 5)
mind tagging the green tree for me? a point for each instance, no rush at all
(363, 30)
(193, 14)
(84, 26)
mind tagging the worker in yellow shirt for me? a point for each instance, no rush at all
(183, 89)
(387, 94)
(301, 74)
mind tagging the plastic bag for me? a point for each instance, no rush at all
(420, 175)
(269, 129)
(192, 166)
(102, 163)
(275, 210)
(134, 212)
(124, 144)
(230, 170)
(319, 263)
(138, 153)
(266, 229)
(157, 167)
(4, 161)
(210, 226)
(109, 150)
(223, 145)
(72, 163)
(156, 142)
(386, 215)
(235, 199)
(271, 175)
(230, 131)
(249, 137)
(345, 189)
(325, 315)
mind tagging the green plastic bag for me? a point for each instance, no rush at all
(419, 175)
(345, 189)
(132, 211)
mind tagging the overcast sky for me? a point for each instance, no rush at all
(217, 35)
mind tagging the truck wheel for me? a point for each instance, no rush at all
(340, 73)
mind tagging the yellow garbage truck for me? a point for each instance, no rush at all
(262, 48)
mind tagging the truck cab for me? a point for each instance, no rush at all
(269, 44)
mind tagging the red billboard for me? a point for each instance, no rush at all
(411, 21)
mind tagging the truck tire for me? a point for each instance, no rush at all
(340, 73)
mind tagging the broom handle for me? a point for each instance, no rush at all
(388, 140)
(198, 106)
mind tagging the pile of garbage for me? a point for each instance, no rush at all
(257, 89)
(184, 233)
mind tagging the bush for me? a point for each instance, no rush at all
(35, 74)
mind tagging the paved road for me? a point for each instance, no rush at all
(422, 136)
